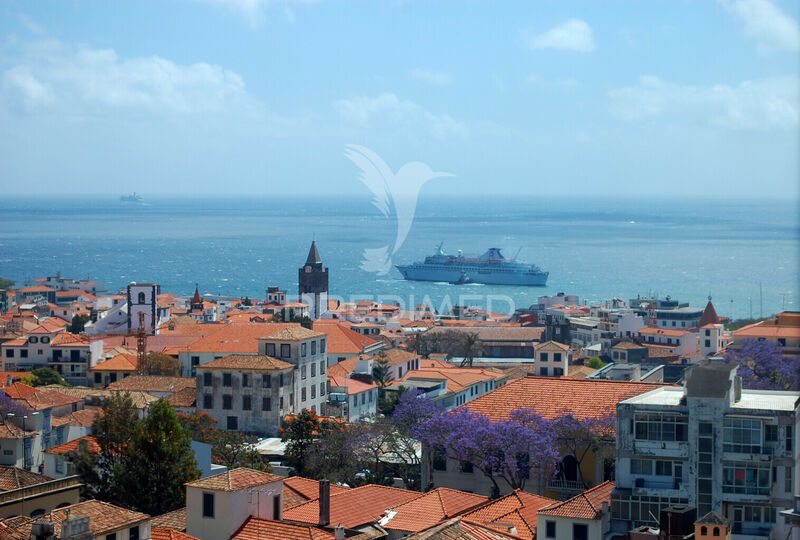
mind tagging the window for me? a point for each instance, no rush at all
(742, 435)
(557, 357)
(322, 389)
(747, 478)
(303, 372)
(558, 372)
(788, 438)
(112, 536)
(466, 467)
(550, 529)
(208, 505)
(233, 422)
(322, 346)
(708, 343)
(266, 404)
(543, 357)
(245, 380)
(313, 391)
(227, 380)
(439, 462)
(246, 403)
(716, 531)
(321, 367)
(303, 349)
(286, 350)
(313, 347)
(98, 378)
(44, 339)
(544, 372)
(23, 353)
(33, 339)
(280, 403)
(206, 379)
(227, 402)
(266, 381)
(141, 298)
(303, 394)
(195, 360)
(133, 533)
(208, 401)
(270, 349)
(580, 531)
(660, 427)
(770, 433)
(59, 464)
(276, 507)
(363, 398)
(280, 379)
(313, 370)
(9, 353)
(704, 530)
(787, 479)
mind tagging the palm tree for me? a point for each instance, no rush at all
(382, 371)
(472, 346)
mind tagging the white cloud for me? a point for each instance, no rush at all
(572, 35)
(52, 74)
(757, 104)
(31, 25)
(772, 28)
(387, 110)
(436, 78)
(253, 10)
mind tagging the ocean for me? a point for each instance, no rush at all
(744, 254)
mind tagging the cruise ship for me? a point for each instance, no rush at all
(490, 268)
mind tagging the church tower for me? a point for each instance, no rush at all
(196, 303)
(313, 280)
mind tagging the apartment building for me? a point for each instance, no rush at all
(248, 393)
(710, 445)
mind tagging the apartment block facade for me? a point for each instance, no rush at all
(710, 445)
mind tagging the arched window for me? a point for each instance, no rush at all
(38, 512)
(141, 298)
(703, 530)
(63, 505)
(568, 469)
(715, 531)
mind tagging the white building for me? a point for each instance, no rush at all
(351, 399)
(551, 359)
(711, 445)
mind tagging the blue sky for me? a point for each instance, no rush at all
(677, 98)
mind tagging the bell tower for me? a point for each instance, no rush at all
(313, 281)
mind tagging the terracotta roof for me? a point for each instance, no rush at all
(73, 445)
(767, 329)
(345, 367)
(171, 520)
(628, 345)
(555, 346)
(120, 362)
(353, 386)
(294, 333)
(140, 398)
(17, 390)
(84, 417)
(459, 528)
(66, 339)
(653, 331)
(713, 518)
(457, 379)
(587, 505)
(104, 518)
(41, 399)
(153, 383)
(709, 315)
(341, 339)
(235, 479)
(553, 397)
(18, 342)
(185, 397)
(297, 490)
(395, 356)
(267, 529)
(527, 334)
(37, 288)
(236, 337)
(433, 507)
(354, 507)
(15, 478)
(518, 508)
(164, 533)
(254, 362)
(10, 431)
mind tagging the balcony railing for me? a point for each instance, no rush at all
(562, 484)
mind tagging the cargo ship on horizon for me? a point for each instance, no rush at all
(491, 268)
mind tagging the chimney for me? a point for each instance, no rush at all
(43, 530)
(324, 503)
(338, 532)
(76, 528)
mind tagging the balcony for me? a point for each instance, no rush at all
(563, 485)
(662, 487)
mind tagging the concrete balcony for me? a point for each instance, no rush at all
(562, 485)
(662, 449)
(668, 487)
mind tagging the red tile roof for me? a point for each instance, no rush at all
(73, 445)
(433, 507)
(254, 362)
(587, 505)
(553, 397)
(297, 490)
(153, 383)
(15, 478)
(267, 529)
(457, 379)
(354, 507)
(236, 337)
(653, 331)
(120, 362)
(10, 431)
(171, 520)
(458, 528)
(341, 339)
(186, 397)
(235, 479)
(353, 386)
(518, 508)
(164, 533)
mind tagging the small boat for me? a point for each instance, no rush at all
(133, 198)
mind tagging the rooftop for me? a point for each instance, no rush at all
(104, 518)
(297, 490)
(171, 520)
(587, 505)
(236, 479)
(152, 383)
(766, 400)
(120, 362)
(294, 333)
(353, 386)
(431, 508)
(73, 445)
(247, 362)
(341, 339)
(166, 533)
(268, 529)
(15, 478)
(518, 508)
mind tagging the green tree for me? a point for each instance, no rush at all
(157, 363)
(6, 283)
(43, 376)
(299, 432)
(78, 324)
(235, 449)
(157, 463)
(113, 429)
(471, 346)
(382, 371)
(246, 301)
(595, 363)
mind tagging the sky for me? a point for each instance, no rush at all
(675, 98)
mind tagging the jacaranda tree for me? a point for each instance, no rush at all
(762, 366)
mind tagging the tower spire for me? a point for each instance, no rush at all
(313, 254)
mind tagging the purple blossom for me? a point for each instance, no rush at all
(762, 366)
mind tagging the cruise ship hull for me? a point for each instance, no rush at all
(466, 274)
